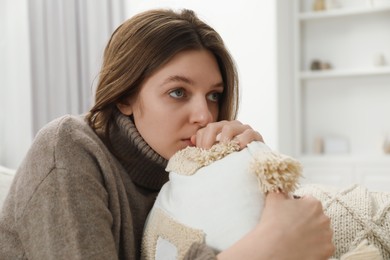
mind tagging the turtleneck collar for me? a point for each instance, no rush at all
(145, 167)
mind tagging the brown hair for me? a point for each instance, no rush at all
(147, 41)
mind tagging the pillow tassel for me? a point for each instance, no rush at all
(363, 251)
(276, 172)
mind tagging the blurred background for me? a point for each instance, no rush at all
(314, 74)
(51, 52)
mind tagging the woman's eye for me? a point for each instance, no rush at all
(215, 96)
(177, 93)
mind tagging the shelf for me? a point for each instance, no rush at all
(350, 99)
(305, 75)
(342, 12)
(347, 158)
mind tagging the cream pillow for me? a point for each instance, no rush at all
(216, 196)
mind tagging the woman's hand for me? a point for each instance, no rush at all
(224, 131)
(304, 230)
(289, 229)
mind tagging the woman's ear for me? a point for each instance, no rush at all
(125, 109)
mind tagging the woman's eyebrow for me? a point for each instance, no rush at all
(218, 85)
(178, 78)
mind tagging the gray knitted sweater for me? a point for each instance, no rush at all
(73, 199)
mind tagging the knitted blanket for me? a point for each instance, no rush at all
(356, 215)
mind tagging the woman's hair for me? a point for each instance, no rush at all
(143, 44)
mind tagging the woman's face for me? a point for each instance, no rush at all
(177, 100)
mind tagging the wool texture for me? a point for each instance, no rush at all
(274, 171)
(356, 215)
(73, 198)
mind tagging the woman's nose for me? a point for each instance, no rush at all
(201, 113)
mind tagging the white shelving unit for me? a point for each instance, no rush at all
(306, 75)
(345, 108)
(342, 12)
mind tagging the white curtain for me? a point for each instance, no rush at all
(67, 43)
(51, 52)
(15, 87)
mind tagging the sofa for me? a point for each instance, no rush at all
(6, 177)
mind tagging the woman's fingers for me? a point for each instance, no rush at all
(248, 136)
(306, 228)
(224, 131)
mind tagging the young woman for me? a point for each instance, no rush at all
(87, 184)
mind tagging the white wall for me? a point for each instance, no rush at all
(15, 103)
(285, 80)
(249, 31)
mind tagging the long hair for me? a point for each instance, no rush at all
(144, 43)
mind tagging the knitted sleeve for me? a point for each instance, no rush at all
(58, 205)
(67, 218)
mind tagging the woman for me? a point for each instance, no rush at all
(87, 184)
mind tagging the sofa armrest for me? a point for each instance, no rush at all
(6, 177)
